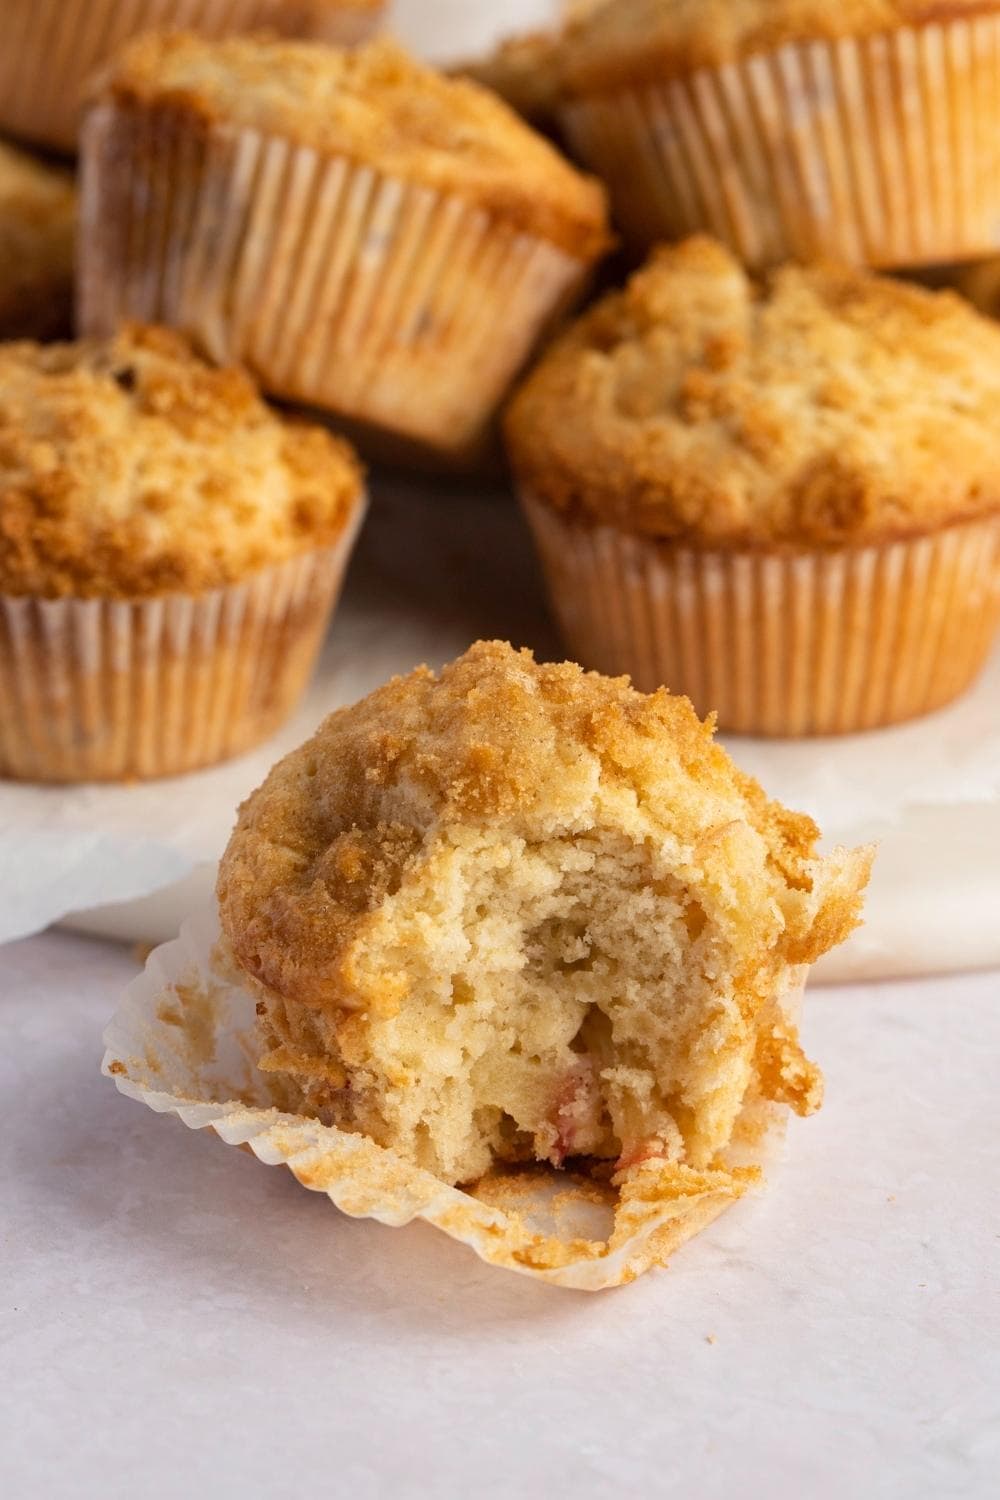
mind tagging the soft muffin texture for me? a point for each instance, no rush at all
(37, 225)
(819, 407)
(634, 41)
(376, 106)
(130, 468)
(518, 912)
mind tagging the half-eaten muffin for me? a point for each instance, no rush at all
(522, 914)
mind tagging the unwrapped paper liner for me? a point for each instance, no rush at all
(183, 1042)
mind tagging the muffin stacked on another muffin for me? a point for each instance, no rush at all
(521, 914)
(51, 48)
(864, 129)
(170, 551)
(365, 235)
(37, 230)
(781, 498)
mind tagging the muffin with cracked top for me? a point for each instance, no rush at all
(170, 553)
(519, 921)
(781, 497)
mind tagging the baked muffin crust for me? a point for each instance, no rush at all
(37, 225)
(510, 911)
(376, 106)
(130, 468)
(818, 407)
(631, 41)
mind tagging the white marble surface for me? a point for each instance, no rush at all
(179, 1320)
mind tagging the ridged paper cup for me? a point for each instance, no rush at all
(882, 151)
(401, 308)
(111, 690)
(52, 47)
(780, 643)
(184, 1043)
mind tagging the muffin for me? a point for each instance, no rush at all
(367, 236)
(517, 918)
(170, 551)
(522, 69)
(781, 498)
(37, 221)
(52, 47)
(867, 130)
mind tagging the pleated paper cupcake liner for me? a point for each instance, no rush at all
(780, 644)
(393, 305)
(184, 1043)
(52, 47)
(111, 690)
(882, 151)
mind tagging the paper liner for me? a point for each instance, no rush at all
(883, 150)
(52, 47)
(382, 301)
(184, 1042)
(108, 690)
(780, 644)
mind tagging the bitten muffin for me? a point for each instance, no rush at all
(518, 914)
(52, 47)
(365, 235)
(867, 129)
(781, 498)
(37, 225)
(170, 551)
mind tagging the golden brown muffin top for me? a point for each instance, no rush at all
(820, 406)
(37, 221)
(631, 41)
(130, 468)
(499, 747)
(378, 106)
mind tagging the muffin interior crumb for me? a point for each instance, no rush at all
(556, 1007)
